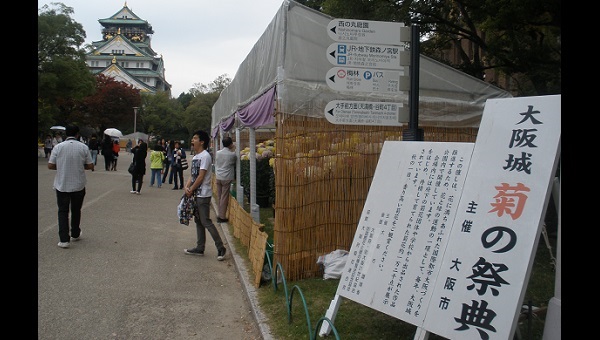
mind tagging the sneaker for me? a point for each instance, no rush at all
(221, 254)
(77, 238)
(64, 244)
(137, 193)
(132, 192)
(194, 251)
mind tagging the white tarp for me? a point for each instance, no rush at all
(291, 54)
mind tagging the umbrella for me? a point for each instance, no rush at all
(113, 132)
(57, 127)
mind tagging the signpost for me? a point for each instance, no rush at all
(353, 112)
(368, 55)
(374, 32)
(370, 58)
(367, 80)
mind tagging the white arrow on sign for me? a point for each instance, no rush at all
(368, 80)
(374, 32)
(368, 56)
(351, 112)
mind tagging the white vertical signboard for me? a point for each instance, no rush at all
(449, 231)
(404, 226)
(483, 276)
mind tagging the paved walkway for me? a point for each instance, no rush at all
(128, 277)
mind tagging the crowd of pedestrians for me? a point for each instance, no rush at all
(75, 155)
(164, 169)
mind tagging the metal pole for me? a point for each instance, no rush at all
(413, 133)
(135, 108)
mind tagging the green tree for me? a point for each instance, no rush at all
(522, 39)
(185, 98)
(314, 4)
(63, 76)
(161, 116)
(198, 114)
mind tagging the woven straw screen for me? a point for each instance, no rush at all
(250, 234)
(322, 176)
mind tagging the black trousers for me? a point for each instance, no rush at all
(108, 159)
(167, 167)
(178, 172)
(66, 201)
(139, 179)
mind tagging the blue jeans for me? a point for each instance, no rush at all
(155, 174)
(74, 202)
(94, 156)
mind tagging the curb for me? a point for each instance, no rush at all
(249, 289)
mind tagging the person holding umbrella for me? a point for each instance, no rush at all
(107, 152)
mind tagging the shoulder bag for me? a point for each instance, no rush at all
(184, 164)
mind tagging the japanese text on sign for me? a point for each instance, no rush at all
(403, 227)
(478, 292)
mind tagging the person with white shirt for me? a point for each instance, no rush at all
(199, 185)
(70, 159)
(225, 174)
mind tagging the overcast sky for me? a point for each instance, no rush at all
(198, 39)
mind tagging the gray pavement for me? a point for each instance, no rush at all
(128, 277)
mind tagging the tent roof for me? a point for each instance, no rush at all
(291, 55)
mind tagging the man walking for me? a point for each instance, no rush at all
(199, 185)
(225, 172)
(70, 159)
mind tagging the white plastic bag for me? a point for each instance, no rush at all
(333, 263)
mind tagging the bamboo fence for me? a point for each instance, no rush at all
(250, 234)
(323, 173)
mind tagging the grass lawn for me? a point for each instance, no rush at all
(356, 321)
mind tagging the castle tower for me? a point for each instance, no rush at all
(125, 53)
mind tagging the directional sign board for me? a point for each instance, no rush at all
(368, 56)
(374, 32)
(367, 80)
(352, 112)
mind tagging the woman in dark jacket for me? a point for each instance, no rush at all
(107, 146)
(140, 152)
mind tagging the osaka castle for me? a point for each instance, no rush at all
(125, 53)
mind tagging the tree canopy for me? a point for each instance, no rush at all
(63, 76)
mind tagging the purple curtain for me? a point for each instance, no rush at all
(260, 111)
(227, 124)
(256, 114)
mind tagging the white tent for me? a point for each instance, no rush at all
(291, 55)
(286, 73)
